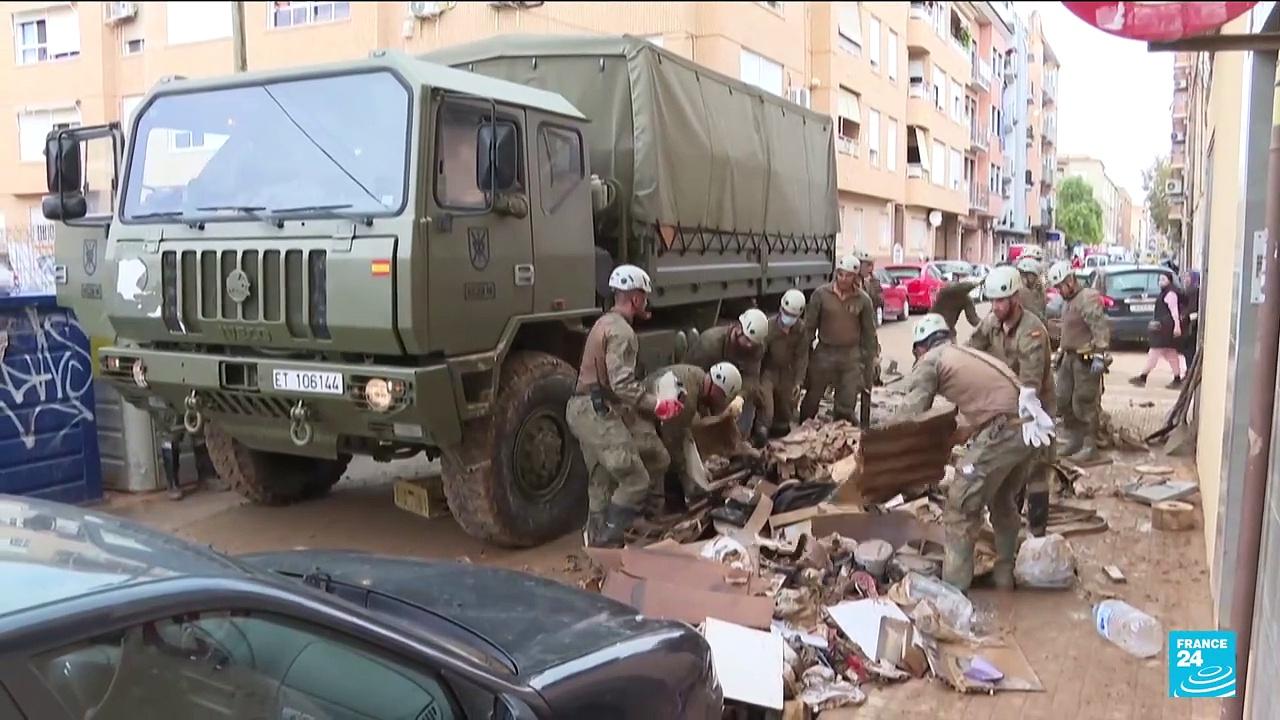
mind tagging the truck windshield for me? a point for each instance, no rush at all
(315, 144)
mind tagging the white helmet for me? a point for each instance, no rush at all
(927, 326)
(864, 256)
(1033, 251)
(849, 263)
(1028, 264)
(726, 377)
(793, 302)
(1001, 282)
(755, 325)
(1059, 272)
(630, 277)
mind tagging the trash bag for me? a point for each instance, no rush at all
(1045, 562)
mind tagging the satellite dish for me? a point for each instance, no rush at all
(935, 217)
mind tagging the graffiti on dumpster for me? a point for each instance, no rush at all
(47, 391)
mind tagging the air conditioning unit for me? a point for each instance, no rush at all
(121, 11)
(1173, 187)
(429, 10)
(1181, 83)
(500, 5)
(1179, 136)
(800, 96)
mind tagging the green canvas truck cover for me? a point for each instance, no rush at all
(689, 147)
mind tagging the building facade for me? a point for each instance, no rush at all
(928, 97)
(1105, 191)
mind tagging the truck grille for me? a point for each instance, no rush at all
(286, 288)
(227, 403)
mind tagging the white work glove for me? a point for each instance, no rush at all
(1037, 426)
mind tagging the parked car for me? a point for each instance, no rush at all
(922, 281)
(8, 278)
(979, 274)
(894, 295)
(1129, 295)
(107, 619)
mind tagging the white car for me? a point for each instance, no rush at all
(8, 279)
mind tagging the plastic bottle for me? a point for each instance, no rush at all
(1136, 632)
(952, 605)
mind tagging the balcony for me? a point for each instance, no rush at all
(922, 11)
(915, 171)
(1046, 218)
(1049, 92)
(978, 137)
(979, 198)
(918, 89)
(1178, 158)
(1175, 208)
(1179, 105)
(980, 77)
(1049, 133)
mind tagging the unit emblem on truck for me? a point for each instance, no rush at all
(90, 256)
(478, 244)
(238, 286)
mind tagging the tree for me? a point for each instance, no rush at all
(1079, 214)
(1154, 180)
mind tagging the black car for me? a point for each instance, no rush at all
(1129, 295)
(102, 618)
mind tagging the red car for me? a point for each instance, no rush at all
(921, 281)
(894, 296)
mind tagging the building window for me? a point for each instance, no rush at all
(891, 62)
(186, 140)
(939, 88)
(134, 46)
(917, 152)
(957, 101)
(993, 180)
(1030, 179)
(873, 142)
(292, 14)
(995, 119)
(50, 34)
(957, 169)
(760, 71)
(849, 128)
(873, 41)
(192, 22)
(35, 125)
(849, 27)
(939, 164)
(891, 146)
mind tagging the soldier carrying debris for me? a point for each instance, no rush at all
(742, 344)
(706, 394)
(1080, 363)
(844, 320)
(997, 410)
(611, 414)
(786, 357)
(953, 300)
(1020, 340)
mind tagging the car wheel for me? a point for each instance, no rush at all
(879, 316)
(271, 478)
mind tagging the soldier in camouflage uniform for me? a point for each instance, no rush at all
(742, 344)
(612, 415)
(844, 321)
(993, 469)
(1083, 359)
(1031, 295)
(707, 393)
(953, 300)
(870, 283)
(1020, 340)
(786, 359)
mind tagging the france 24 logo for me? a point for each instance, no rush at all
(1202, 664)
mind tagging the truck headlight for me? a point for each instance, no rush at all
(377, 392)
(139, 374)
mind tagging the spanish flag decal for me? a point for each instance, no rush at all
(380, 268)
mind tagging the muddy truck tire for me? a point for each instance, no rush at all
(518, 478)
(269, 478)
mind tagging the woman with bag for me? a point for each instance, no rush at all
(1164, 334)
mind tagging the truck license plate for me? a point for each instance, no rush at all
(1142, 307)
(308, 381)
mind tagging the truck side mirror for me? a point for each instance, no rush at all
(496, 156)
(65, 178)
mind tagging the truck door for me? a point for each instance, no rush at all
(480, 237)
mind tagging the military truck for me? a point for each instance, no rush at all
(392, 256)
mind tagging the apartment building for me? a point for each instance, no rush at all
(1124, 220)
(919, 90)
(1105, 191)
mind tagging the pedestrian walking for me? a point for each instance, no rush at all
(1164, 335)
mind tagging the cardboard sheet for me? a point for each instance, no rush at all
(859, 620)
(748, 663)
(949, 661)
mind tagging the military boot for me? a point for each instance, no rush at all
(617, 522)
(595, 525)
(1088, 453)
(1038, 512)
(1006, 554)
(1075, 440)
(957, 564)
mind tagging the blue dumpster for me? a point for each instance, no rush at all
(48, 436)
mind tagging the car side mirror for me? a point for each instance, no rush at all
(64, 177)
(496, 157)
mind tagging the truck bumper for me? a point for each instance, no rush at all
(239, 395)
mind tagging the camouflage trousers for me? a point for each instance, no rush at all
(777, 400)
(1079, 393)
(990, 475)
(677, 439)
(623, 453)
(838, 366)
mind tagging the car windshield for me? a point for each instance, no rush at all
(300, 145)
(902, 274)
(1125, 285)
(955, 269)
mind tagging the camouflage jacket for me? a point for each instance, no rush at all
(716, 345)
(1084, 324)
(1024, 348)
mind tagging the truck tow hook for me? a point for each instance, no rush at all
(192, 420)
(300, 431)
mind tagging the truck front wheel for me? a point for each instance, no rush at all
(269, 478)
(518, 478)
